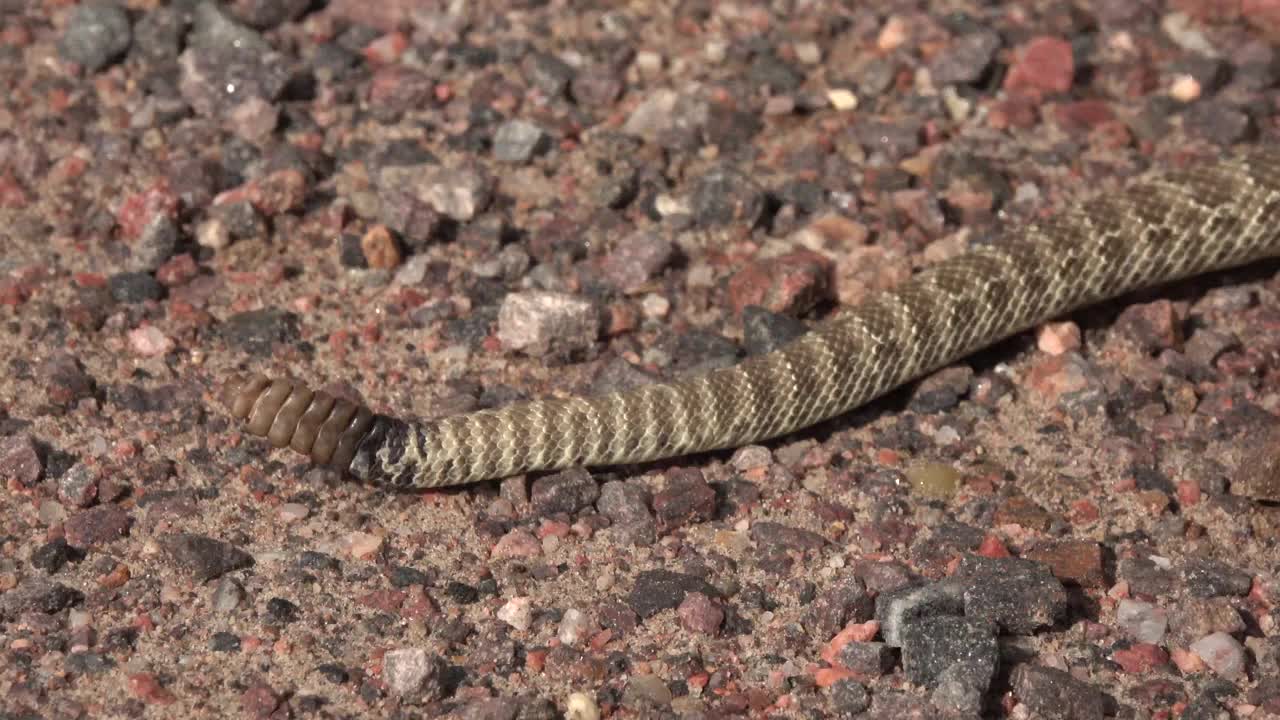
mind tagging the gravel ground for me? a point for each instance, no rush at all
(436, 210)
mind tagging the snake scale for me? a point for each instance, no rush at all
(1157, 228)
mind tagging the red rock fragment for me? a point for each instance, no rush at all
(147, 688)
(260, 701)
(1075, 561)
(1258, 474)
(12, 195)
(1044, 66)
(177, 270)
(1084, 115)
(97, 525)
(788, 284)
(1140, 658)
(387, 601)
(140, 210)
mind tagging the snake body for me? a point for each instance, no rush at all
(1158, 228)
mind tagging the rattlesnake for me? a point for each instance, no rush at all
(1158, 228)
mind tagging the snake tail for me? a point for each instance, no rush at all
(1157, 228)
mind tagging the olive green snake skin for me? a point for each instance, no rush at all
(1158, 228)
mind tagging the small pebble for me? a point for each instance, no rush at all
(936, 481)
(892, 35)
(149, 341)
(413, 671)
(78, 487)
(379, 248)
(1142, 620)
(458, 193)
(516, 141)
(282, 612)
(20, 460)
(213, 234)
(932, 645)
(147, 688)
(228, 595)
(646, 691)
(575, 626)
(655, 307)
(293, 512)
(1044, 65)
(517, 612)
(204, 558)
(1222, 653)
(517, 544)
(700, 614)
(581, 706)
(808, 52)
(850, 697)
(1184, 88)
(362, 545)
(842, 99)
(97, 526)
(1056, 338)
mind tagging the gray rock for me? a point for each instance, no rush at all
(956, 691)
(96, 33)
(627, 507)
(564, 492)
(20, 460)
(459, 193)
(658, 590)
(258, 331)
(897, 608)
(646, 693)
(135, 287)
(966, 60)
(414, 672)
(516, 141)
(727, 196)
(845, 601)
(204, 558)
(37, 594)
(89, 663)
(228, 595)
(78, 486)
(868, 658)
(849, 697)
(226, 64)
(1053, 694)
(53, 555)
(776, 537)
(686, 498)
(538, 321)
(764, 331)
(636, 259)
(955, 649)
(548, 73)
(1018, 595)
(155, 244)
(1210, 578)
